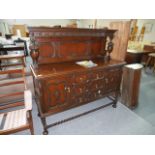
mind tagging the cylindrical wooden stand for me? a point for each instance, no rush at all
(131, 84)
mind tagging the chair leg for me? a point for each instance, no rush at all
(31, 123)
(154, 66)
(148, 62)
(23, 62)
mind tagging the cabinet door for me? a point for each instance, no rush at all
(56, 92)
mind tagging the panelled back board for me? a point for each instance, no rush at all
(69, 44)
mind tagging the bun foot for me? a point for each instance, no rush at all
(114, 105)
(45, 132)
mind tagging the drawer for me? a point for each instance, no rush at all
(98, 94)
(80, 89)
(82, 99)
(113, 80)
(97, 84)
(98, 75)
(82, 78)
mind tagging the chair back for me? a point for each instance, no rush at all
(9, 94)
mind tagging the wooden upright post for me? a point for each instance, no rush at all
(121, 39)
(131, 84)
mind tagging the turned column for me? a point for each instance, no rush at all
(131, 84)
(109, 46)
(34, 50)
(34, 55)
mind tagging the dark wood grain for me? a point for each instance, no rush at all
(70, 44)
(60, 83)
(131, 86)
(6, 105)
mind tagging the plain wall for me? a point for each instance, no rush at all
(32, 22)
(81, 23)
(101, 23)
(38, 22)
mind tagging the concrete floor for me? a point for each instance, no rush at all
(140, 120)
(146, 105)
(144, 112)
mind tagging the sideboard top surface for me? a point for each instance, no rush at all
(46, 70)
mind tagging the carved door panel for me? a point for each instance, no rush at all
(56, 92)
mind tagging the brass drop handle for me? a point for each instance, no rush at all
(81, 79)
(99, 91)
(68, 89)
(65, 88)
(106, 80)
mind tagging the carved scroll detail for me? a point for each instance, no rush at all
(110, 45)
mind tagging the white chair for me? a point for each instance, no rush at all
(18, 120)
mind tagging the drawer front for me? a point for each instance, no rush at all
(100, 74)
(113, 79)
(107, 80)
(82, 78)
(84, 98)
(80, 89)
(98, 84)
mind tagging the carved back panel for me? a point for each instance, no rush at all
(69, 44)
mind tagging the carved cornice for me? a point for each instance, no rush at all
(62, 32)
(67, 34)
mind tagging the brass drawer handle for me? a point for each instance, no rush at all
(80, 90)
(106, 80)
(81, 79)
(99, 91)
(67, 89)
